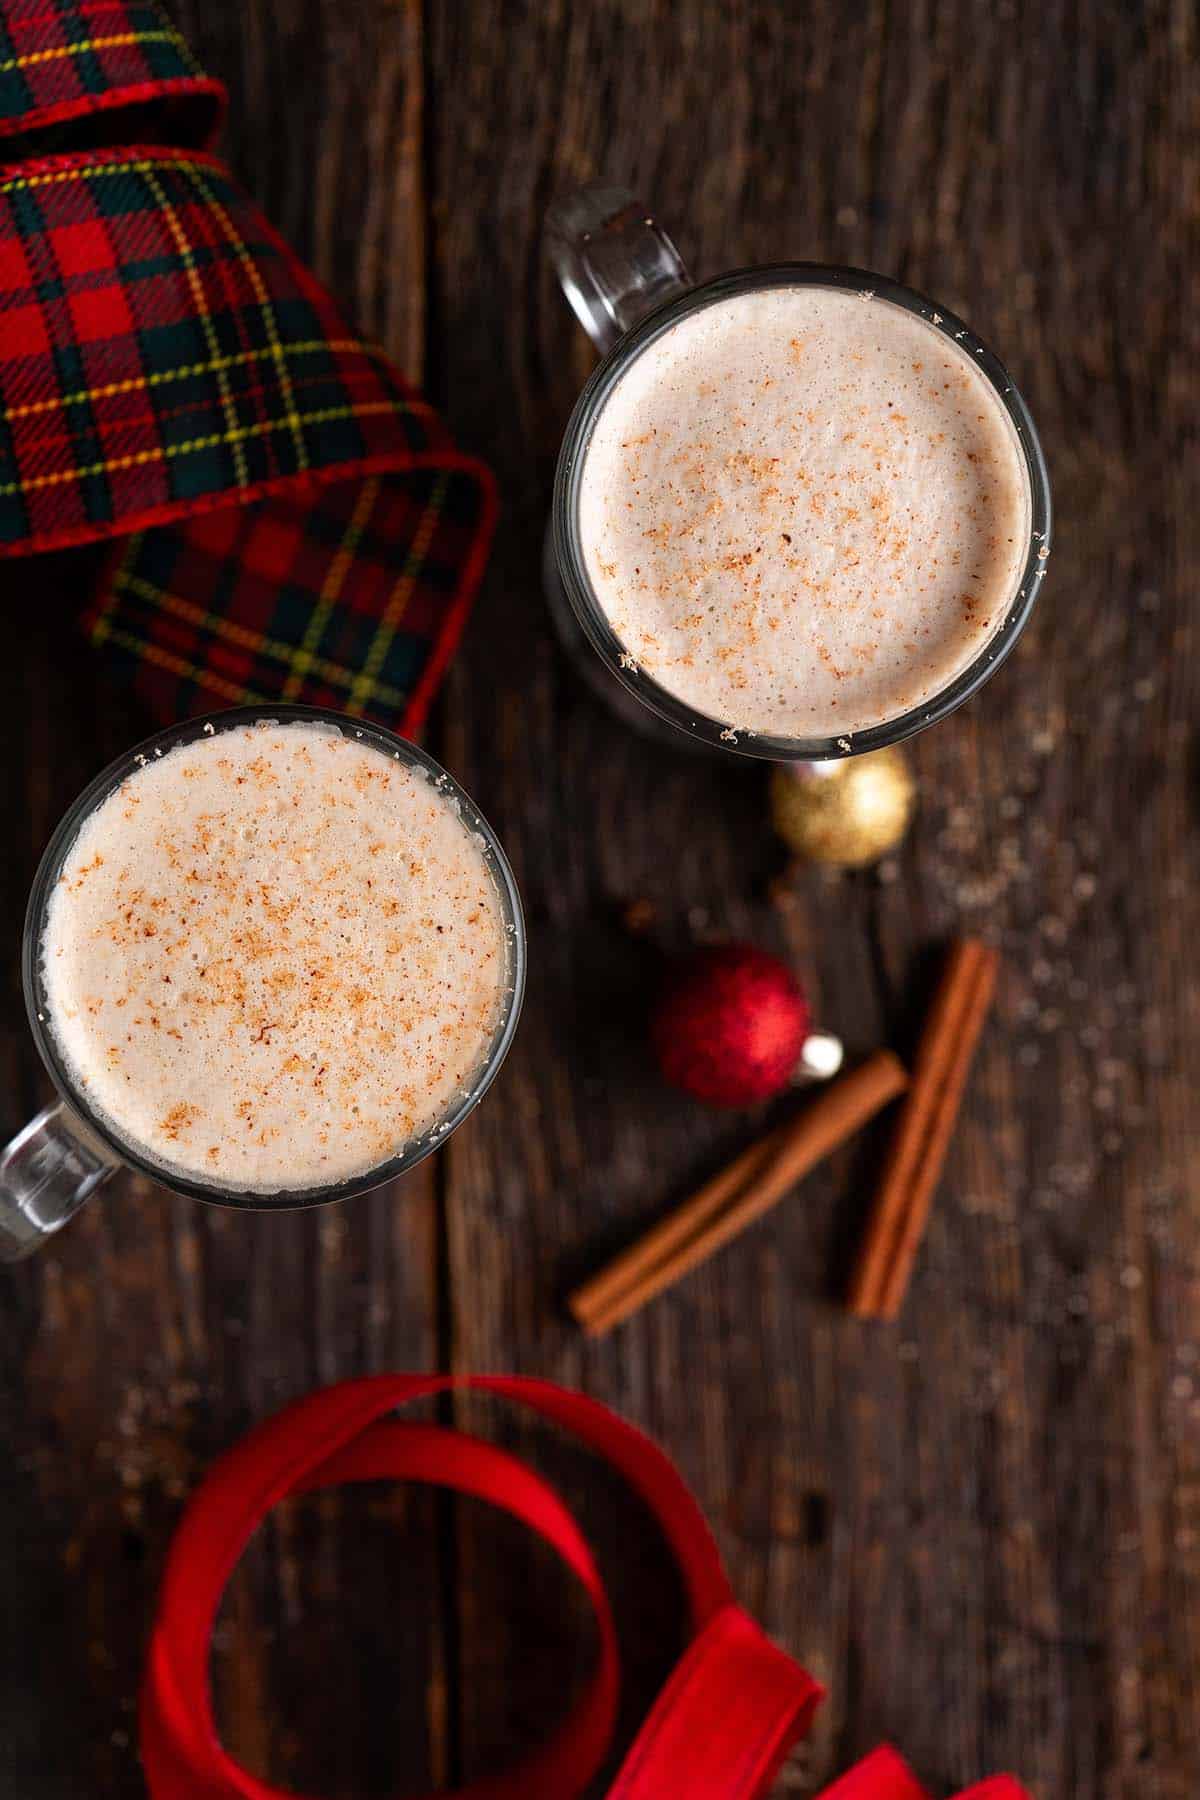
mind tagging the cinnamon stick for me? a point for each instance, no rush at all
(923, 1131)
(744, 1190)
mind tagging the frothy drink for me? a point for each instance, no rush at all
(804, 511)
(274, 957)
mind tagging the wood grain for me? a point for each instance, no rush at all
(980, 1529)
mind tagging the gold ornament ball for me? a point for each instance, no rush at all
(847, 813)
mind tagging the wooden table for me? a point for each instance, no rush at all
(982, 1528)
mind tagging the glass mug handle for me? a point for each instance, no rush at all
(615, 262)
(46, 1173)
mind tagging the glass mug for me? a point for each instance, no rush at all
(65, 1153)
(627, 284)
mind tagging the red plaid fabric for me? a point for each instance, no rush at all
(296, 522)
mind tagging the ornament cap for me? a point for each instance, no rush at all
(821, 1056)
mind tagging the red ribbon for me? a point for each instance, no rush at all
(719, 1730)
(886, 1776)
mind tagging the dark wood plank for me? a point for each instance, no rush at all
(981, 1529)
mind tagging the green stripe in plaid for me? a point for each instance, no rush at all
(304, 526)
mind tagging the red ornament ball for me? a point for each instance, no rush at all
(730, 1025)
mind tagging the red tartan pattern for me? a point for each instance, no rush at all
(61, 59)
(302, 525)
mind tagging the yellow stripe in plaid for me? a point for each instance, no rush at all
(365, 682)
(145, 165)
(118, 41)
(138, 383)
(302, 658)
(319, 417)
(232, 633)
(179, 665)
(184, 247)
(266, 311)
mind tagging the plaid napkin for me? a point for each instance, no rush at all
(295, 522)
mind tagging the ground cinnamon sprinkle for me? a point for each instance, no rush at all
(803, 515)
(274, 956)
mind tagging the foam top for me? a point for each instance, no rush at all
(804, 511)
(274, 957)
